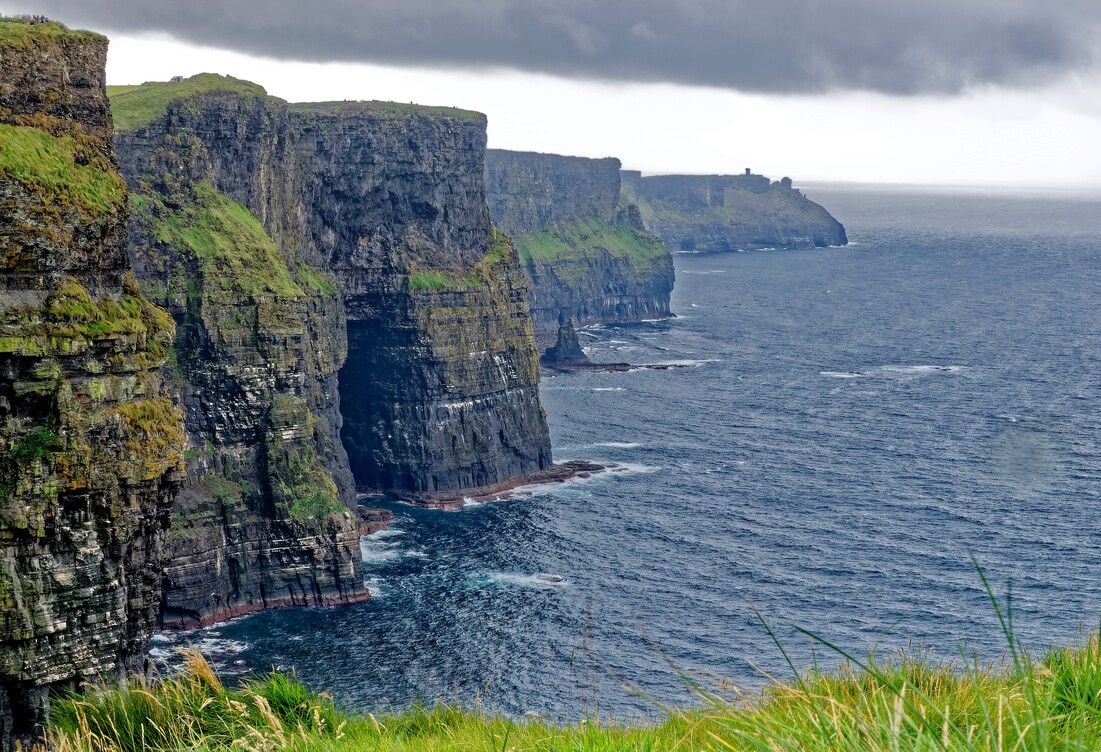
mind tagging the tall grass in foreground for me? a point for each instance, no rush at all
(908, 702)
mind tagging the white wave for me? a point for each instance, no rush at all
(622, 468)
(694, 305)
(375, 587)
(469, 502)
(840, 374)
(389, 532)
(706, 272)
(608, 389)
(215, 646)
(921, 370)
(539, 580)
(377, 552)
(618, 444)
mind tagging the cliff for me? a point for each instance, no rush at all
(587, 258)
(440, 387)
(266, 517)
(730, 212)
(90, 442)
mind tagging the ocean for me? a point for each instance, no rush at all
(852, 429)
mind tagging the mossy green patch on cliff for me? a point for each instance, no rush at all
(584, 237)
(60, 171)
(482, 273)
(384, 109)
(19, 32)
(71, 315)
(135, 106)
(235, 255)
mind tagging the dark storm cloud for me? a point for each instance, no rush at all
(894, 46)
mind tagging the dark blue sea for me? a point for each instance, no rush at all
(853, 425)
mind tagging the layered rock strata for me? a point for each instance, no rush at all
(439, 390)
(730, 212)
(267, 515)
(587, 257)
(90, 442)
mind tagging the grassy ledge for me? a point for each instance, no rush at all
(135, 106)
(483, 273)
(586, 237)
(236, 256)
(57, 170)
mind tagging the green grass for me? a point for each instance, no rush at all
(482, 273)
(236, 255)
(384, 110)
(55, 168)
(911, 701)
(135, 106)
(585, 238)
(17, 32)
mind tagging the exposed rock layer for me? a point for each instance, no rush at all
(90, 445)
(440, 387)
(730, 212)
(587, 257)
(266, 516)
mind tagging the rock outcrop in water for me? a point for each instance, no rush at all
(587, 257)
(440, 388)
(266, 516)
(730, 212)
(90, 443)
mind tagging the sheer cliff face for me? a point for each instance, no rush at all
(265, 517)
(439, 391)
(90, 444)
(586, 257)
(730, 212)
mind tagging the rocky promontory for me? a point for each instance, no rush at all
(730, 212)
(587, 257)
(267, 515)
(90, 440)
(440, 389)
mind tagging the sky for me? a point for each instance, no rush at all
(953, 92)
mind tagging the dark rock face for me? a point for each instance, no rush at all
(439, 391)
(586, 257)
(266, 516)
(90, 443)
(567, 349)
(730, 212)
(528, 191)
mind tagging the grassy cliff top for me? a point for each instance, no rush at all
(141, 104)
(21, 32)
(384, 109)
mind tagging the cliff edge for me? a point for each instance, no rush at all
(90, 442)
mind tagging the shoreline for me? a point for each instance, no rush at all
(452, 501)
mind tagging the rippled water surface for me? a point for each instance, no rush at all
(854, 422)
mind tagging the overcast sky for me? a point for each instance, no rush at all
(925, 91)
